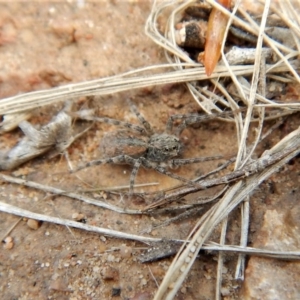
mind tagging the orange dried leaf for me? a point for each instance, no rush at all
(215, 33)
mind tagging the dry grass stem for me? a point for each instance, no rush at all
(56, 191)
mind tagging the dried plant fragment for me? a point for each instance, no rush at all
(11, 121)
(282, 35)
(191, 34)
(199, 10)
(246, 56)
(56, 136)
(160, 250)
(215, 34)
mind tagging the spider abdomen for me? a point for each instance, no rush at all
(122, 143)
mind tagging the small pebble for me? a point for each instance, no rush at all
(115, 292)
(58, 285)
(225, 291)
(78, 217)
(34, 224)
(96, 269)
(224, 270)
(102, 238)
(102, 248)
(110, 258)
(109, 273)
(125, 251)
(143, 281)
(8, 239)
(9, 243)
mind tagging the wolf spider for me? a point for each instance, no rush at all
(141, 146)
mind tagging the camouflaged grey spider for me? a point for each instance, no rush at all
(140, 146)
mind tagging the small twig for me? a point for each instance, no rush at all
(286, 255)
(152, 275)
(185, 214)
(52, 190)
(245, 213)
(220, 259)
(245, 207)
(116, 188)
(10, 229)
(4, 207)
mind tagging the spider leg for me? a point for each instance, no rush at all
(181, 162)
(161, 169)
(114, 160)
(142, 120)
(190, 119)
(187, 120)
(175, 176)
(115, 122)
(171, 119)
(126, 159)
(134, 171)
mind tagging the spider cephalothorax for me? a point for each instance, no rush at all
(163, 147)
